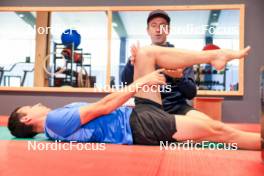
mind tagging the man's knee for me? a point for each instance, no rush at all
(221, 129)
(145, 54)
(144, 63)
(217, 126)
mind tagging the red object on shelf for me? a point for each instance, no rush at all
(210, 47)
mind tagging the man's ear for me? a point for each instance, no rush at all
(26, 119)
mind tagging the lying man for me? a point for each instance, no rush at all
(147, 123)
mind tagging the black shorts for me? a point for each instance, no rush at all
(183, 109)
(150, 124)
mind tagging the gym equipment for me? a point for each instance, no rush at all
(210, 47)
(71, 37)
(83, 78)
(262, 110)
(74, 66)
(18, 70)
(67, 53)
(1, 74)
(49, 70)
(27, 59)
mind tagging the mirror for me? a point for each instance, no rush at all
(194, 30)
(85, 35)
(17, 36)
(96, 55)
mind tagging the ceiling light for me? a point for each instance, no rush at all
(215, 23)
(21, 15)
(114, 24)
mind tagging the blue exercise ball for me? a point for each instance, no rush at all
(69, 37)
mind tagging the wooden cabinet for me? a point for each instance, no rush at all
(212, 106)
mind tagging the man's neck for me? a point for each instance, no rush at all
(40, 124)
(162, 44)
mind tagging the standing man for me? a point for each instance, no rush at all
(182, 82)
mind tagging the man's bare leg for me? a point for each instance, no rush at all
(213, 131)
(172, 58)
(200, 129)
(193, 128)
(147, 58)
(197, 114)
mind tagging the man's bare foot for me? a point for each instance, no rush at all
(225, 55)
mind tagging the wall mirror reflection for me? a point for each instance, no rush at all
(60, 47)
(17, 36)
(78, 41)
(195, 30)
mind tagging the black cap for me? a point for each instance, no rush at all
(158, 13)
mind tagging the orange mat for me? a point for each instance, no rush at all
(212, 162)
(16, 159)
(3, 120)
